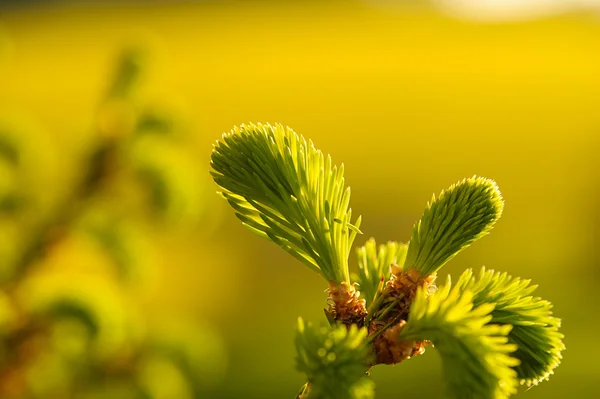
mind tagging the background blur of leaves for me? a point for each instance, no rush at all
(145, 286)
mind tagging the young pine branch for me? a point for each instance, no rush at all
(534, 331)
(476, 355)
(284, 189)
(335, 360)
(374, 266)
(460, 215)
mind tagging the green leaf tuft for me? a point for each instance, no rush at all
(374, 264)
(460, 215)
(475, 354)
(535, 330)
(335, 360)
(283, 188)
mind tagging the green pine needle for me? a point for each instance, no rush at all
(282, 188)
(374, 263)
(335, 360)
(460, 215)
(476, 355)
(535, 330)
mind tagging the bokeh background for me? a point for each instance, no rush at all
(125, 276)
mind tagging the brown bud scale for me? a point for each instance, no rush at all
(399, 293)
(345, 305)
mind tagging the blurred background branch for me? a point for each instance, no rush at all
(73, 323)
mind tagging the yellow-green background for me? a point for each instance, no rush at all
(411, 100)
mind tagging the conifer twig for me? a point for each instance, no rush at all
(489, 330)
